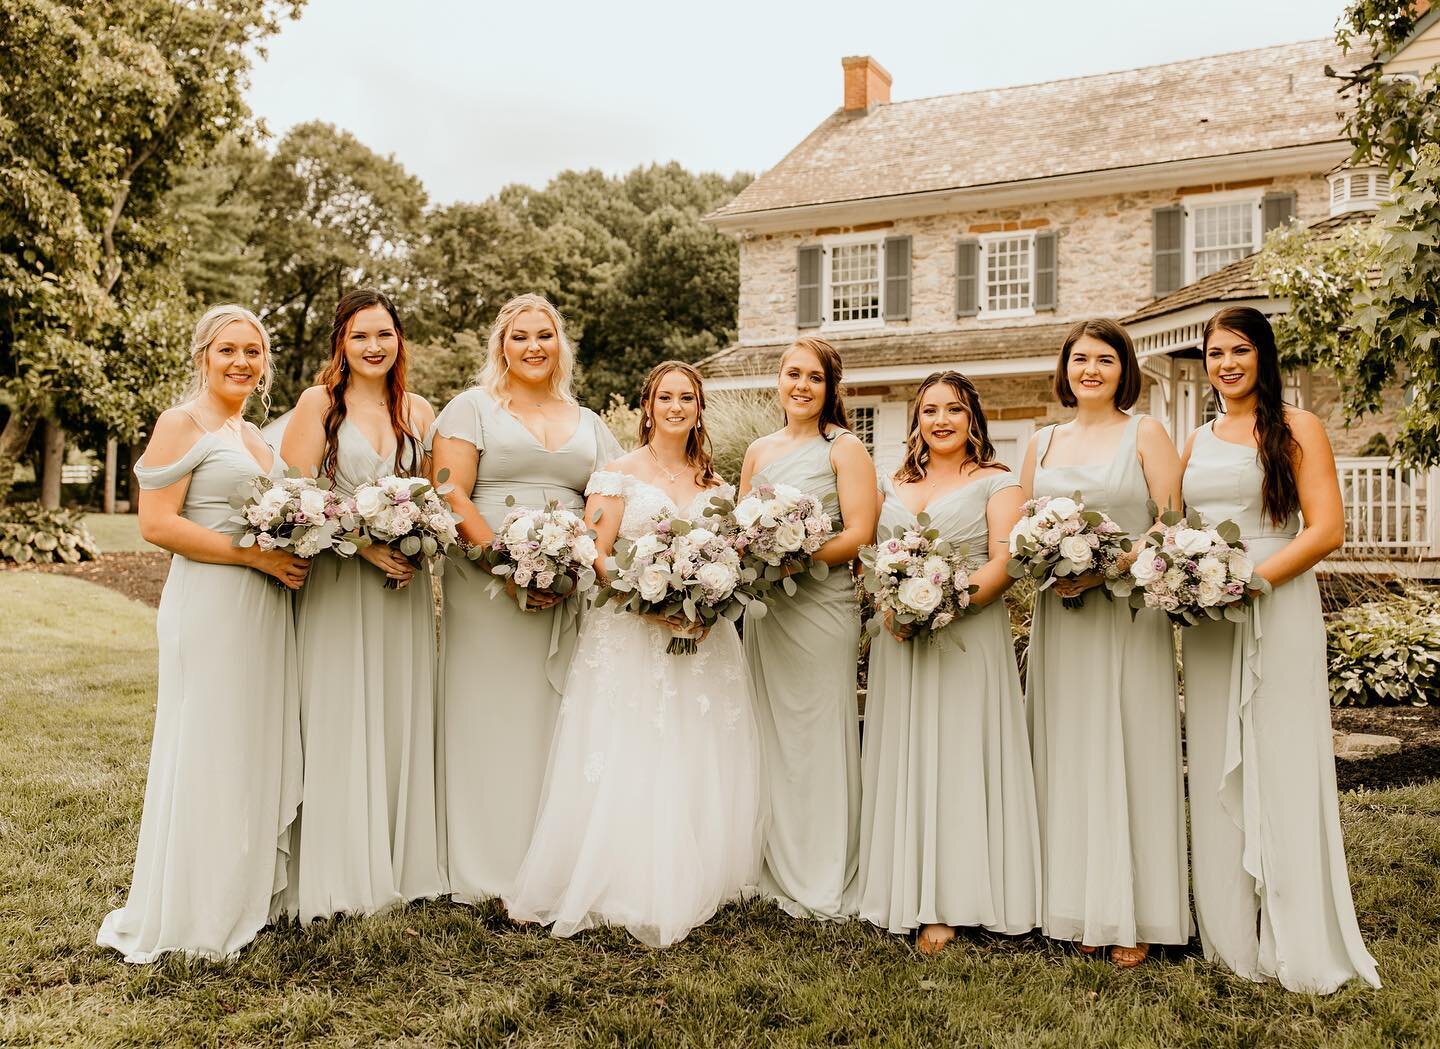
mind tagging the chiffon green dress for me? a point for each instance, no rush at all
(802, 658)
(1104, 721)
(371, 836)
(503, 670)
(948, 828)
(225, 763)
(1272, 893)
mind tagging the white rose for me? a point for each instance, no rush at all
(1059, 508)
(1193, 541)
(1076, 550)
(272, 501)
(920, 595)
(889, 562)
(1211, 569)
(700, 536)
(789, 536)
(1146, 568)
(788, 494)
(654, 583)
(1241, 567)
(552, 539)
(717, 577)
(936, 568)
(1210, 594)
(648, 545)
(583, 550)
(312, 504)
(748, 512)
(1024, 529)
(518, 532)
(394, 485)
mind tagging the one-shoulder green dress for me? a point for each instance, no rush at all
(224, 779)
(1272, 892)
(802, 658)
(948, 830)
(370, 834)
(1105, 740)
(503, 670)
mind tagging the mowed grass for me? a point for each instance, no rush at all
(118, 533)
(76, 703)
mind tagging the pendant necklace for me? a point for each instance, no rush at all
(669, 475)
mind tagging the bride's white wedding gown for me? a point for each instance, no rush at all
(651, 815)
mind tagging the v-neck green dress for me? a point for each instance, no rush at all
(503, 670)
(948, 829)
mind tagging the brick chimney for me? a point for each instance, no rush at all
(867, 84)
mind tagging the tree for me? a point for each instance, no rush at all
(150, 87)
(215, 205)
(333, 215)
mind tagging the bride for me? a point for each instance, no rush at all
(651, 815)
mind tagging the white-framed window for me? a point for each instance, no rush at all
(853, 282)
(1007, 274)
(862, 424)
(1219, 229)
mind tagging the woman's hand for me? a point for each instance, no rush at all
(535, 600)
(284, 566)
(899, 631)
(392, 562)
(679, 626)
(1074, 586)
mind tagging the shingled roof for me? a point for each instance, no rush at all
(1263, 99)
(898, 348)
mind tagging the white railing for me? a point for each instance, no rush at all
(1390, 511)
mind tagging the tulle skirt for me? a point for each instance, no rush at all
(651, 815)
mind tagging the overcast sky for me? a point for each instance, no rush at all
(472, 96)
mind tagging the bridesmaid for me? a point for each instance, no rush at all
(518, 433)
(1101, 691)
(802, 655)
(367, 654)
(948, 832)
(224, 779)
(1272, 893)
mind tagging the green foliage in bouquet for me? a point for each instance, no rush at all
(31, 534)
(1229, 533)
(494, 560)
(770, 580)
(874, 580)
(1386, 652)
(1041, 567)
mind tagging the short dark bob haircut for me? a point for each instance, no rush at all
(1118, 339)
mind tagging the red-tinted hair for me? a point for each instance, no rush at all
(335, 377)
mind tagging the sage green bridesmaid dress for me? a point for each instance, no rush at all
(802, 658)
(503, 670)
(224, 779)
(948, 829)
(370, 833)
(1104, 721)
(1272, 892)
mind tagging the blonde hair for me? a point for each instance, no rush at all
(207, 329)
(494, 377)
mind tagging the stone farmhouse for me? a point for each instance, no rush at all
(970, 231)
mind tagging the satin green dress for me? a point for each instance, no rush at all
(224, 779)
(802, 658)
(370, 833)
(1265, 820)
(948, 828)
(1104, 718)
(503, 670)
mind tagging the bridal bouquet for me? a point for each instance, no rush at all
(294, 513)
(545, 549)
(685, 573)
(1056, 537)
(1192, 572)
(917, 577)
(777, 529)
(406, 511)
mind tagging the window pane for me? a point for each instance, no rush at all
(855, 282)
(862, 423)
(1223, 233)
(1007, 274)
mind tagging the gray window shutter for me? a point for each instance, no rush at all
(807, 287)
(897, 279)
(967, 278)
(1047, 271)
(1168, 239)
(1276, 209)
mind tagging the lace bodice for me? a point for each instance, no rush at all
(643, 500)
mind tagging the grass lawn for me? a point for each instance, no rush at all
(118, 533)
(76, 695)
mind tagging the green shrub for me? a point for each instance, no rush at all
(29, 533)
(623, 422)
(734, 418)
(1386, 652)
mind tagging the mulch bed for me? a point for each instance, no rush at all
(140, 576)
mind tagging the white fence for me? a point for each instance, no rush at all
(1390, 511)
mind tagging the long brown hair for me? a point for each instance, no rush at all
(335, 377)
(697, 442)
(978, 448)
(832, 408)
(1276, 444)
